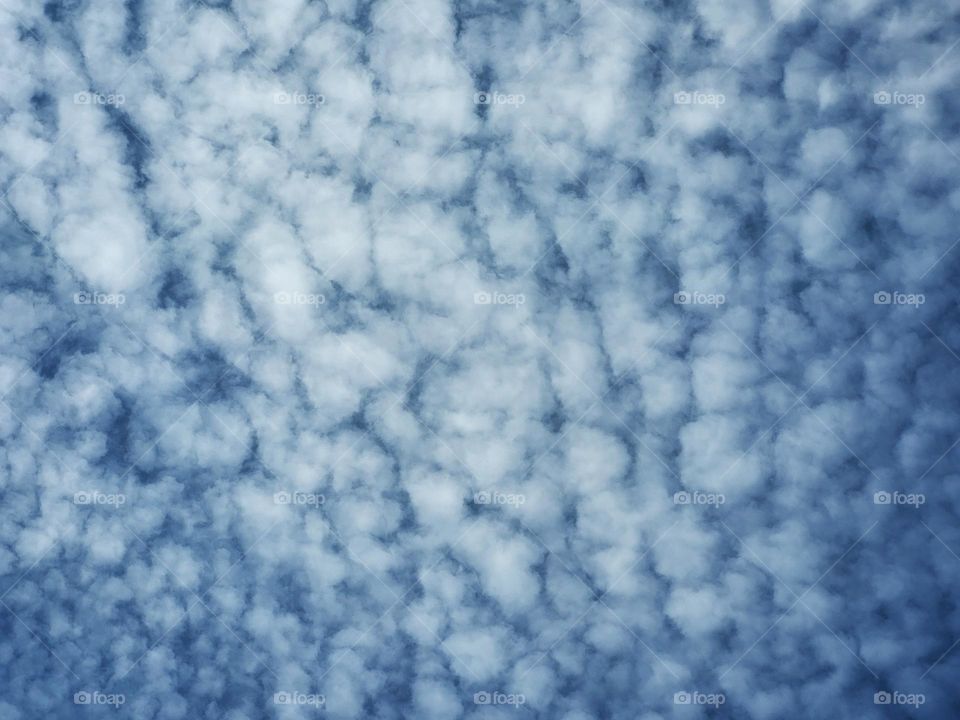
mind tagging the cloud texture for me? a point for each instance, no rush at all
(413, 359)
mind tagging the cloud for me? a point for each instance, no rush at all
(426, 360)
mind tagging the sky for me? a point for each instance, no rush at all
(416, 359)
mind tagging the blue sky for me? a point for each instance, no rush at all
(413, 359)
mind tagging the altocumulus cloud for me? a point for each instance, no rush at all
(413, 359)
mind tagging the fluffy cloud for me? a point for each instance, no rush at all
(422, 359)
